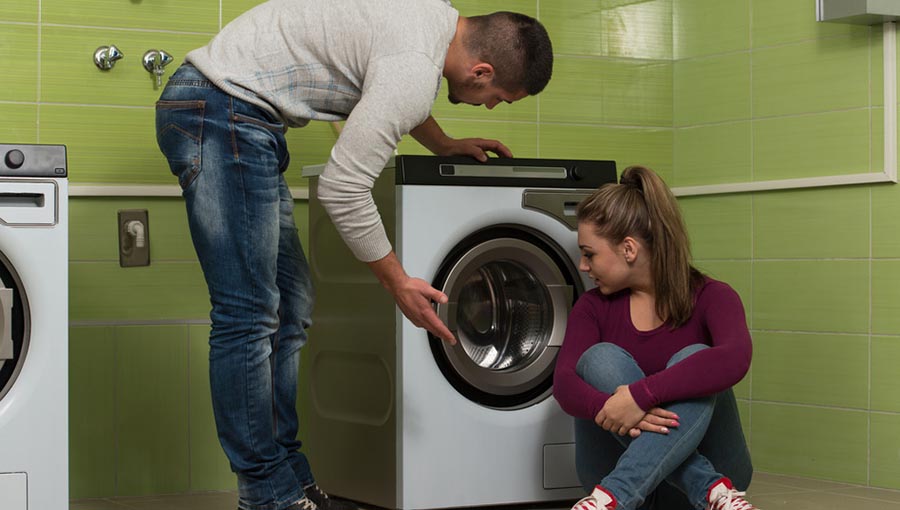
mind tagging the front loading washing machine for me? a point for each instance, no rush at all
(396, 417)
(33, 328)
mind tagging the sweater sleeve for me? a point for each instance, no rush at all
(397, 97)
(708, 371)
(575, 396)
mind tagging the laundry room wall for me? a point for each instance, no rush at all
(695, 89)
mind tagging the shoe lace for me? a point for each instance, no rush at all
(307, 504)
(731, 500)
(587, 503)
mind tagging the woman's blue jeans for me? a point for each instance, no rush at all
(671, 471)
(228, 156)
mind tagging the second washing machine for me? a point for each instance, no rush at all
(399, 419)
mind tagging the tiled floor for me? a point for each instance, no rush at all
(768, 492)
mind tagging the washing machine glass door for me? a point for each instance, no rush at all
(14, 325)
(510, 291)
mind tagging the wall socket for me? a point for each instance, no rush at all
(134, 238)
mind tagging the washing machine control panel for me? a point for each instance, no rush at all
(24, 160)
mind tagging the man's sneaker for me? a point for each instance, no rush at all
(325, 502)
(600, 499)
(723, 496)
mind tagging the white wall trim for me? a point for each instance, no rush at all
(889, 174)
(146, 190)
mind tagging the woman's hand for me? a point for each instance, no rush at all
(620, 414)
(656, 420)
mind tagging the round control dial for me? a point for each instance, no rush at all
(14, 158)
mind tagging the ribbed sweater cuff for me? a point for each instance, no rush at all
(641, 395)
(372, 247)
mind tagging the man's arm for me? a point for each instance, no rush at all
(430, 135)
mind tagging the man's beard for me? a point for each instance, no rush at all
(469, 84)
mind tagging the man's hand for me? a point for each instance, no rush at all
(620, 414)
(430, 134)
(413, 296)
(475, 147)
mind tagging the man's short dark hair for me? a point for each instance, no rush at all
(518, 48)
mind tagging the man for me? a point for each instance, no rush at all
(220, 123)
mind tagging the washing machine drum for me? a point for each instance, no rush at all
(14, 331)
(510, 290)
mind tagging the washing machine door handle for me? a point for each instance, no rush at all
(6, 342)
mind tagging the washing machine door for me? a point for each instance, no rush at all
(13, 325)
(510, 290)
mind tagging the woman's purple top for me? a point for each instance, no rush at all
(718, 321)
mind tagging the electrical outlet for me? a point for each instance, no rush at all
(134, 238)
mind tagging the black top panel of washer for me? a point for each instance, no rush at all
(530, 173)
(27, 160)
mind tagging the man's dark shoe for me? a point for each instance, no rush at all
(325, 502)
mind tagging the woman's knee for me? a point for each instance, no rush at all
(685, 353)
(606, 366)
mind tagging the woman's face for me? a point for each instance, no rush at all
(603, 261)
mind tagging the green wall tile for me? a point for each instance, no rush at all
(817, 295)
(107, 144)
(779, 22)
(93, 228)
(103, 291)
(626, 146)
(712, 89)
(233, 8)
(92, 422)
(619, 92)
(152, 409)
(817, 76)
(828, 370)
(68, 77)
(706, 27)
(210, 470)
(886, 297)
(885, 377)
(19, 54)
(309, 145)
(477, 7)
(885, 470)
(834, 143)
(192, 16)
(610, 27)
(19, 10)
(885, 220)
(799, 440)
(520, 138)
(811, 223)
(715, 154)
(719, 225)
(19, 123)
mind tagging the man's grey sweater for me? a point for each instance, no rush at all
(375, 63)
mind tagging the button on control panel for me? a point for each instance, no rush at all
(24, 160)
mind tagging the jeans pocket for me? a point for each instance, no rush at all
(179, 133)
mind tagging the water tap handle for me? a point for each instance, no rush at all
(155, 62)
(105, 57)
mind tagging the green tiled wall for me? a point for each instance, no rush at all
(703, 91)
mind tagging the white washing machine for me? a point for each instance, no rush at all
(398, 419)
(34, 320)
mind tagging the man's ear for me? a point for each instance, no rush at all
(482, 71)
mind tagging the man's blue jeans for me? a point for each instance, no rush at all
(671, 471)
(228, 156)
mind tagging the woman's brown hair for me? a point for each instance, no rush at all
(643, 207)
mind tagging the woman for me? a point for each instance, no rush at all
(649, 360)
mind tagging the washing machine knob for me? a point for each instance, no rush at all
(14, 158)
(577, 173)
